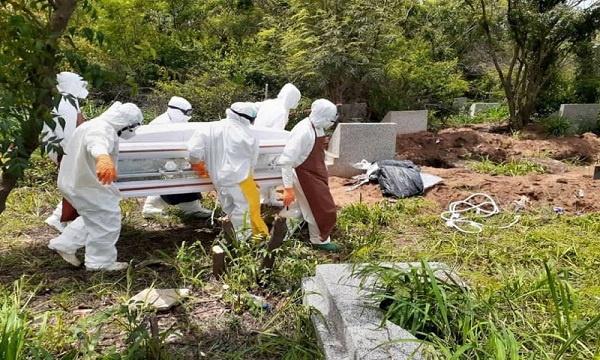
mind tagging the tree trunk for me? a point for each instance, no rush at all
(42, 105)
(7, 183)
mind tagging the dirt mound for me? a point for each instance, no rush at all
(448, 148)
(444, 154)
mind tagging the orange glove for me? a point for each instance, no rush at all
(105, 169)
(288, 196)
(200, 169)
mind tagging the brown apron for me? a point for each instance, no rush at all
(312, 175)
(69, 213)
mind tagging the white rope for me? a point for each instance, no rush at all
(482, 209)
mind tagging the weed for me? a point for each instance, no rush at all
(512, 167)
(557, 126)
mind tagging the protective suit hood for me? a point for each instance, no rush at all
(179, 110)
(122, 117)
(290, 95)
(72, 84)
(244, 112)
(323, 113)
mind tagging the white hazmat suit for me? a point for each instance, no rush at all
(274, 113)
(229, 152)
(179, 111)
(305, 174)
(71, 88)
(85, 180)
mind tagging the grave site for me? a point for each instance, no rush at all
(299, 180)
(405, 284)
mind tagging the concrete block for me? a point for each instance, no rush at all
(407, 122)
(583, 117)
(459, 103)
(478, 107)
(352, 113)
(350, 143)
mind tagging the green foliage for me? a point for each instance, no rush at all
(512, 167)
(458, 322)
(495, 115)
(557, 126)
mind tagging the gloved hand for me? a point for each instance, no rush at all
(105, 169)
(288, 196)
(200, 169)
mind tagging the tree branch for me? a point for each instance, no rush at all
(19, 7)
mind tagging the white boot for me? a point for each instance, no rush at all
(54, 222)
(54, 219)
(116, 266)
(153, 206)
(194, 208)
(70, 258)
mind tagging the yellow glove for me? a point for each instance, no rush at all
(288, 196)
(200, 169)
(105, 169)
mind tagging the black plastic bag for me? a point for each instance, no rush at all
(399, 179)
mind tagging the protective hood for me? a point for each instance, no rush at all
(72, 84)
(290, 95)
(244, 112)
(323, 113)
(179, 110)
(122, 116)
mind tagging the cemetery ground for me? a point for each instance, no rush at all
(533, 288)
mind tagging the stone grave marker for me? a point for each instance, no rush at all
(352, 142)
(407, 122)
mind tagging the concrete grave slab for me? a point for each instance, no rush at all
(353, 113)
(348, 325)
(407, 122)
(350, 143)
(459, 103)
(583, 117)
(478, 107)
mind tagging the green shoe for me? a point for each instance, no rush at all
(329, 247)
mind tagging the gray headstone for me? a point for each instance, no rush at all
(350, 143)
(356, 112)
(583, 116)
(348, 324)
(477, 107)
(407, 122)
(458, 103)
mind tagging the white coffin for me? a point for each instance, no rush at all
(155, 161)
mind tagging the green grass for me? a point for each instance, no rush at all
(498, 115)
(512, 167)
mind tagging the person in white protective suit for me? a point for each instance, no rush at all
(305, 174)
(71, 87)
(274, 113)
(179, 110)
(228, 152)
(86, 179)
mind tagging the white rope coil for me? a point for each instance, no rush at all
(482, 209)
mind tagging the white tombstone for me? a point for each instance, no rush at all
(459, 103)
(407, 122)
(478, 107)
(352, 142)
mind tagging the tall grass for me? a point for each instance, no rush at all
(459, 323)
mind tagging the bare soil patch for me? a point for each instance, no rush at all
(445, 154)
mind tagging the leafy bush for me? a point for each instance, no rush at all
(557, 126)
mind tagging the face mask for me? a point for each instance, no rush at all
(83, 93)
